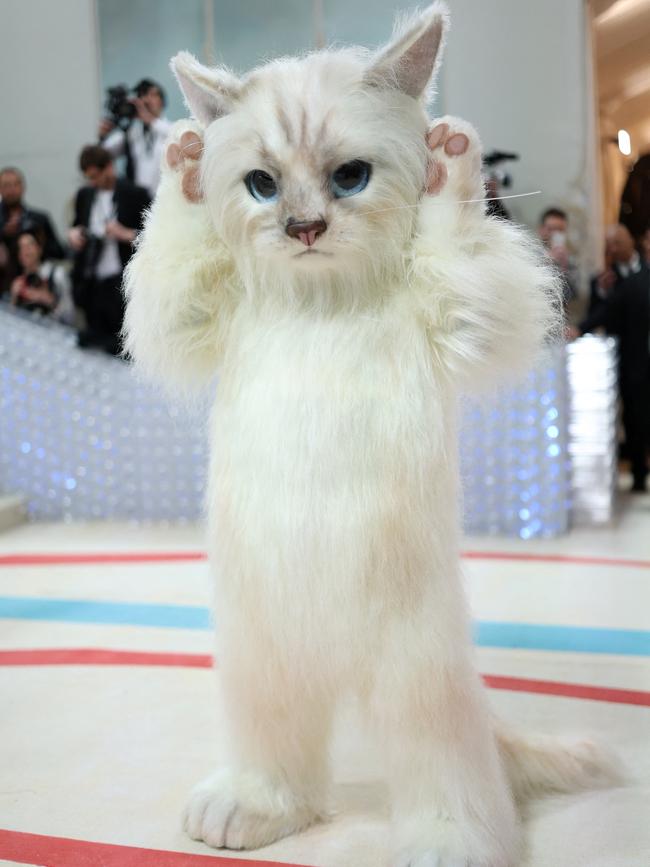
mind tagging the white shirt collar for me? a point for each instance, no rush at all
(632, 266)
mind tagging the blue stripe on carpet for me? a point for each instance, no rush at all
(530, 636)
(575, 639)
(114, 613)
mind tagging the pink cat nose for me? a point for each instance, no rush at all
(306, 232)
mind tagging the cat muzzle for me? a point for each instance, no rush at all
(306, 232)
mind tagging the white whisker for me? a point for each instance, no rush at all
(453, 202)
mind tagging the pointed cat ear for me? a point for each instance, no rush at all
(209, 93)
(409, 61)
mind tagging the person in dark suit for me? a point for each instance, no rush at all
(17, 217)
(553, 231)
(645, 246)
(635, 200)
(108, 215)
(625, 312)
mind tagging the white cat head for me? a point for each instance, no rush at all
(309, 161)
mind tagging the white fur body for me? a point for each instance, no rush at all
(343, 577)
(333, 490)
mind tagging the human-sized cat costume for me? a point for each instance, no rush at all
(312, 242)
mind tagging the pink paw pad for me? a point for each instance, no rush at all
(173, 155)
(457, 144)
(191, 184)
(442, 140)
(185, 154)
(436, 177)
(437, 135)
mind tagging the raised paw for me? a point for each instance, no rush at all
(229, 812)
(455, 164)
(183, 155)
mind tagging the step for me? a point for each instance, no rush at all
(13, 511)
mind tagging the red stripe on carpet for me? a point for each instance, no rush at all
(64, 852)
(68, 559)
(569, 690)
(92, 656)
(71, 559)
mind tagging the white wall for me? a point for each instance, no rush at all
(138, 37)
(49, 98)
(520, 72)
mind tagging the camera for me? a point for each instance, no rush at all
(119, 107)
(94, 246)
(502, 178)
(495, 178)
(119, 101)
(495, 158)
(33, 280)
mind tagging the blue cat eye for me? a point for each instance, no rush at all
(261, 186)
(350, 178)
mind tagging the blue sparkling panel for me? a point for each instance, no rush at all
(82, 439)
(592, 364)
(514, 456)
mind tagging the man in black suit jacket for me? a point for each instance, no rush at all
(108, 216)
(625, 312)
(17, 217)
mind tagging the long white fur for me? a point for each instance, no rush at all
(332, 502)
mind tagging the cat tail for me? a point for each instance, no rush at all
(540, 764)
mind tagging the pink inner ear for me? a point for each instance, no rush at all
(409, 61)
(417, 63)
(209, 93)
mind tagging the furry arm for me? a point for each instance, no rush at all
(181, 287)
(486, 291)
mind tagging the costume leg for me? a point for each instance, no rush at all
(273, 772)
(451, 803)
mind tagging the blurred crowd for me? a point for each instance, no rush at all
(618, 304)
(79, 283)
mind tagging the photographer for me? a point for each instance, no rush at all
(625, 312)
(137, 130)
(108, 216)
(43, 286)
(553, 232)
(17, 217)
(495, 178)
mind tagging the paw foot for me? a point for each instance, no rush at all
(183, 156)
(445, 842)
(227, 812)
(435, 859)
(455, 163)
